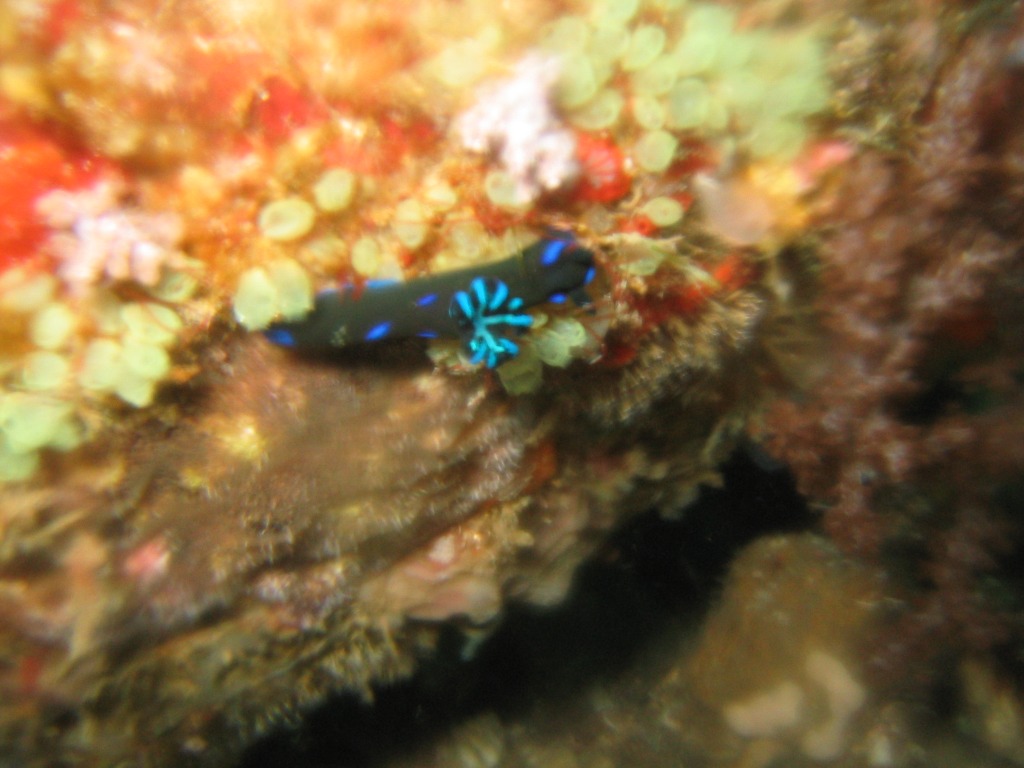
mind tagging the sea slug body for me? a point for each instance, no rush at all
(483, 306)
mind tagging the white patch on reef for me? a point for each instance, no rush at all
(788, 707)
(768, 713)
(443, 550)
(514, 119)
(845, 696)
(96, 238)
(146, 65)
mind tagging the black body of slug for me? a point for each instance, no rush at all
(548, 270)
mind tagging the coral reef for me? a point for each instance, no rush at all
(911, 437)
(94, 239)
(516, 118)
(203, 535)
(775, 675)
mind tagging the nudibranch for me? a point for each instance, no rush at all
(482, 305)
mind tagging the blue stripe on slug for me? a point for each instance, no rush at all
(519, 321)
(479, 290)
(464, 304)
(500, 294)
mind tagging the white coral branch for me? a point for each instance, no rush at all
(514, 119)
(95, 238)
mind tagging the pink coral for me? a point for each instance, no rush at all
(96, 238)
(514, 118)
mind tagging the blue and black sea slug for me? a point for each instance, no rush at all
(483, 305)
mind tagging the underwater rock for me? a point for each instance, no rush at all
(301, 529)
(780, 659)
(203, 535)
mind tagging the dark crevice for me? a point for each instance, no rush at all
(654, 576)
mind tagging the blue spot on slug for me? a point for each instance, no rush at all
(427, 300)
(378, 331)
(280, 336)
(552, 251)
